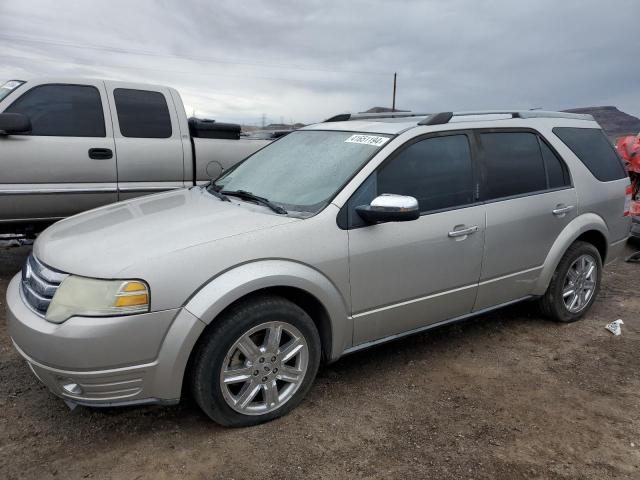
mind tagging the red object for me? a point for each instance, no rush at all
(629, 150)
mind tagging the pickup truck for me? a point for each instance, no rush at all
(69, 145)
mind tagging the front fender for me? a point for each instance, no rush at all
(575, 228)
(220, 292)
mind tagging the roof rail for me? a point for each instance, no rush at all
(343, 117)
(442, 118)
(527, 114)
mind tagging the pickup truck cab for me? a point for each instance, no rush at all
(85, 143)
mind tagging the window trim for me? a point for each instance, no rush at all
(477, 152)
(481, 157)
(166, 102)
(342, 216)
(26, 92)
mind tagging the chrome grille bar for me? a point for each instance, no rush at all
(39, 284)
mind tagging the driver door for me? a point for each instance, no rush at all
(408, 275)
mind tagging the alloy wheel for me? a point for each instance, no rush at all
(580, 283)
(264, 368)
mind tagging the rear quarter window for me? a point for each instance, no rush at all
(594, 150)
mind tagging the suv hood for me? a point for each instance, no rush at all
(102, 242)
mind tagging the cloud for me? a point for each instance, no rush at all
(308, 60)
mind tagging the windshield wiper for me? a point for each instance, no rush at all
(261, 200)
(211, 188)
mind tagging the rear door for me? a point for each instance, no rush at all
(67, 164)
(529, 200)
(148, 140)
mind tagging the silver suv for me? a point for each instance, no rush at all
(337, 237)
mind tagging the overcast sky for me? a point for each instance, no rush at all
(307, 60)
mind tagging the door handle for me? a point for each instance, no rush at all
(562, 209)
(100, 153)
(463, 232)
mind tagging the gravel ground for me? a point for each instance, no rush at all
(507, 395)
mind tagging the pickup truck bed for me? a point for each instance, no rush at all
(95, 142)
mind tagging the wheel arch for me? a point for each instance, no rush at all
(588, 227)
(299, 283)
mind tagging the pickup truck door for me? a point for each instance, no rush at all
(67, 164)
(148, 139)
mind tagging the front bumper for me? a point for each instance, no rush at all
(105, 361)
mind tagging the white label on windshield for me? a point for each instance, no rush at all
(11, 85)
(372, 140)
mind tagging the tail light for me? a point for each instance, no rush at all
(627, 201)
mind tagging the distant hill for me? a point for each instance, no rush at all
(614, 122)
(383, 110)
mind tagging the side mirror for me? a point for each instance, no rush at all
(11, 123)
(390, 208)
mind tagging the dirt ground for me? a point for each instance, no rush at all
(507, 395)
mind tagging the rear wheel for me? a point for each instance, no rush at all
(256, 363)
(574, 285)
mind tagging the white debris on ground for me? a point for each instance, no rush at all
(615, 327)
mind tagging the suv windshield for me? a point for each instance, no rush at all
(304, 170)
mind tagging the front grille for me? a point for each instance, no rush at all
(39, 284)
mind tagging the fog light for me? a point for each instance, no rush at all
(71, 387)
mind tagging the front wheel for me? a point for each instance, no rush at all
(256, 363)
(574, 285)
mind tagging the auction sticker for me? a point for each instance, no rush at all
(373, 140)
(11, 84)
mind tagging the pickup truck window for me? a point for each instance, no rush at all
(62, 110)
(305, 169)
(142, 113)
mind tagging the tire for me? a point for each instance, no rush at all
(553, 304)
(226, 353)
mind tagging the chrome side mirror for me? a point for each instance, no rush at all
(390, 208)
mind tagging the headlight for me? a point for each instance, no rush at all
(88, 297)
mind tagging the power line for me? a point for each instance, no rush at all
(131, 67)
(111, 49)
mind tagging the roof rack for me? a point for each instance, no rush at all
(442, 118)
(445, 117)
(344, 117)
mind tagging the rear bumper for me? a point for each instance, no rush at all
(105, 361)
(635, 227)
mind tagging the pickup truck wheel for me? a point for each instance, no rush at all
(256, 363)
(574, 285)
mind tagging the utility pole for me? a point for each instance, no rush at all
(393, 105)
(264, 120)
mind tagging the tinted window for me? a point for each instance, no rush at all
(594, 150)
(62, 110)
(142, 114)
(436, 171)
(512, 164)
(557, 175)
